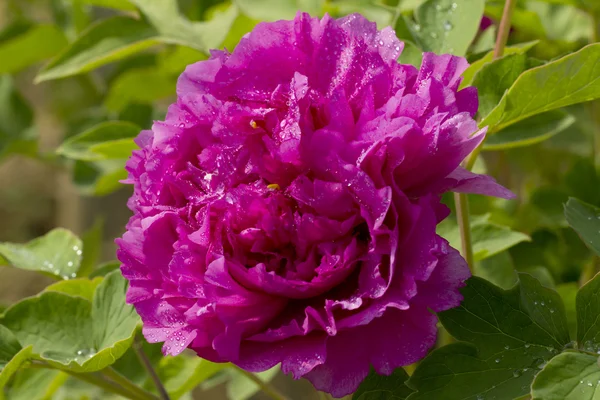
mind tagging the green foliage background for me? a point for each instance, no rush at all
(80, 78)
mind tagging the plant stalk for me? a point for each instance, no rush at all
(504, 28)
(264, 386)
(461, 201)
(126, 384)
(139, 351)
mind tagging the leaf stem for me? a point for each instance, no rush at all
(462, 215)
(137, 347)
(504, 29)
(95, 379)
(126, 384)
(264, 386)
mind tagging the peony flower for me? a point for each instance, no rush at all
(285, 210)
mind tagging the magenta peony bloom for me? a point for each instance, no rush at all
(285, 210)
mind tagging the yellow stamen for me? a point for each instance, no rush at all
(273, 186)
(253, 124)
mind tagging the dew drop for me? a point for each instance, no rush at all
(454, 6)
(527, 345)
(497, 360)
(448, 26)
(433, 35)
(542, 303)
(506, 347)
(73, 275)
(70, 264)
(417, 27)
(381, 42)
(516, 373)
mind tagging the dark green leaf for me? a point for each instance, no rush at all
(530, 131)
(104, 269)
(588, 315)
(378, 387)
(132, 87)
(568, 293)
(182, 374)
(585, 219)
(498, 269)
(9, 346)
(72, 332)
(124, 5)
(13, 366)
(57, 253)
(16, 119)
(448, 26)
(510, 335)
(99, 178)
(568, 376)
(92, 247)
(583, 182)
(36, 384)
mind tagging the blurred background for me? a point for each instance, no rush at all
(41, 188)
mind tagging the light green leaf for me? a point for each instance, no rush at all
(585, 219)
(182, 374)
(76, 287)
(16, 119)
(510, 335)
(123, 5)
(132, 87)
(563, 22)
(57, 253)
(106, 41)
(105, 269)
(107, 140)
(495, 78)
(530, 131)
(240, 387)
(448, 26)
(588, 315)
(13, 366)
(173, 27)
(476, 66)
(568, 376)
(411, 55)
(9, 346)
(498, 269)
(34, 45)
(36, 384)
(487, 238)
(72, 333)
(568, 293)
(378, 387)
(273, 10)
(92, 247)
(572, 79)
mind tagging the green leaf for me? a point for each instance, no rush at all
(107, 140)
(487, 238)
(72, 333)
(583, 181)
(240, 387)
(510, 335)
(182, 374)
(530, 131)
(568, 376)
(34, 45)
(572, 79)
(378, 387)
(525, 21)
(99, 178)
(411, 55)
(57, 253)
(81, 287)
(588, 315)
(476, 66)
(585, 220)
(16, 119)
(448, 26)
(106, 41)
(496, 78)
